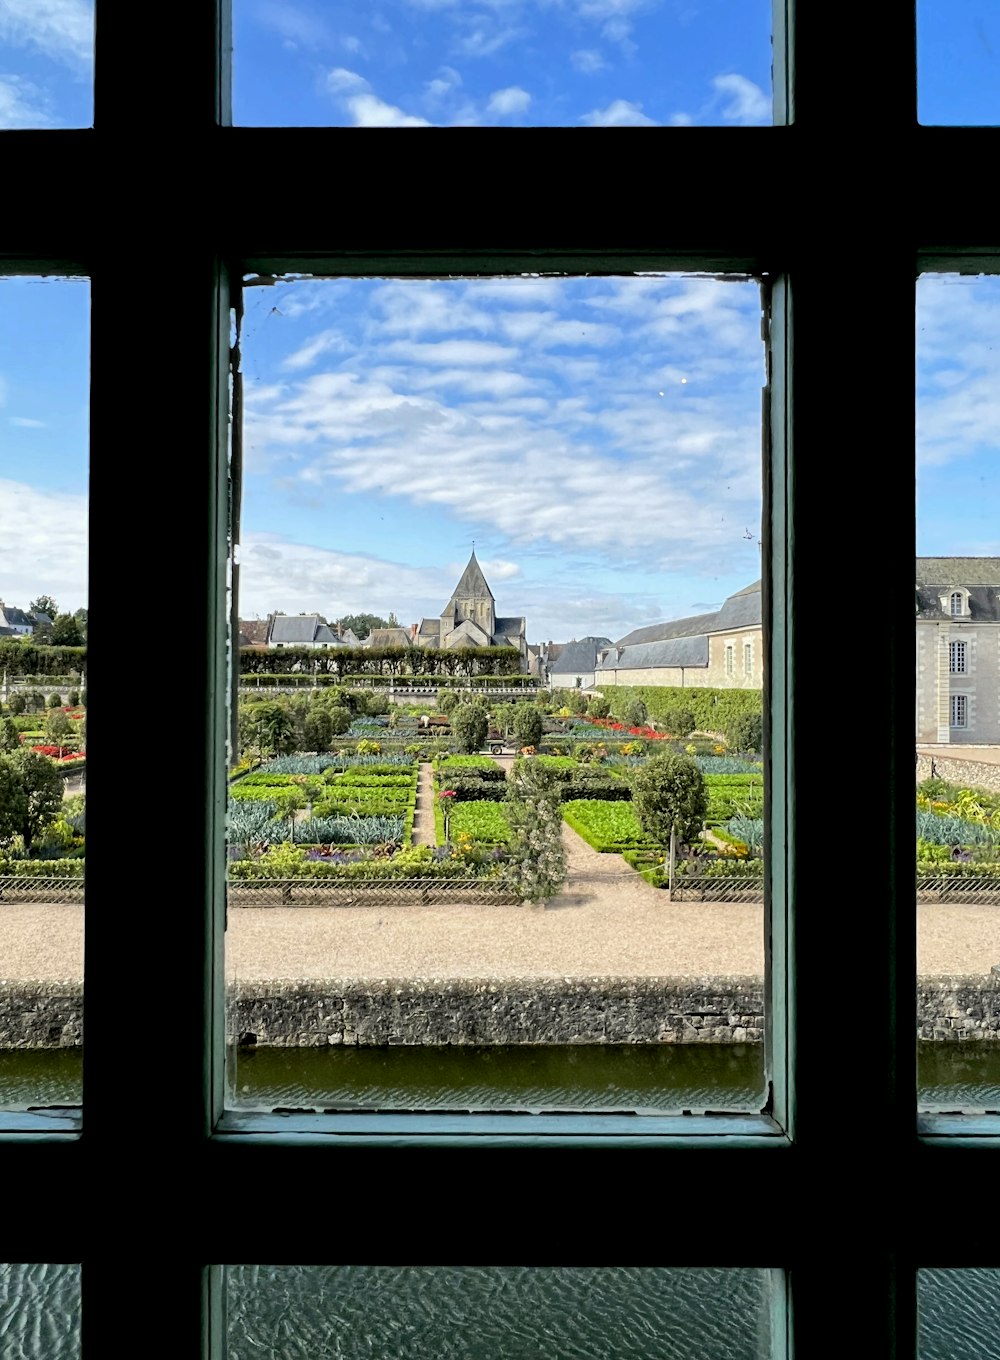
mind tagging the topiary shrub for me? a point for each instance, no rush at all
(17, 703)
(746, 733)
(669, 791)
(635, 713)
(376, 704)
(470, 723)
(678, 721)
(599, 706)
(447, 700)
(527, 725)
(73, 698)
(54, 701)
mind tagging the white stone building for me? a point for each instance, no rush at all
(958, 650)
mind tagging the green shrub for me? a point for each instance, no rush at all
(678, 720)
(669, 792)
(470, 723)
(377, 705)
(73, 698)
(527, 725)
(746, 733)
(599, 707)
(635, 713)
(447, 700)
(17, 703)
(54, 701)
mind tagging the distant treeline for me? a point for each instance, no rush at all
(355, 661)
(25, 658)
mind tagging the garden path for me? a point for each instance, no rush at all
(423, 814)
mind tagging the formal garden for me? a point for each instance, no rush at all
(327, 786)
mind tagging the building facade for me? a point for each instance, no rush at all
(721, 650)
(958, 650)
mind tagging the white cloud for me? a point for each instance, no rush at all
(735, 99)
(26, 423)
(450, 352)
(483, 40)
(741, 101)
(340, 81)
(365, 109)
(43, 545)
(447, 80)
(619, 113)
(587, 61)
(508, 101)
(296, 26)
(497, 569)
(61, 29)
(322, 343)
(23, 105)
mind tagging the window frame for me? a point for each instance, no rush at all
(958, 712)
(958, 657)
(147, 1172)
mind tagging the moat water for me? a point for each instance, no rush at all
(645, 1078)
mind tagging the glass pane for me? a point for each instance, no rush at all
(958, 693)
(957, 46)
(44, 375)
(499, 550)
(420, 63)
(46, 63)
(957, 1312)
(40, 1312)
(498, 1311)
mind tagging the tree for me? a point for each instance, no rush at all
(447, 700)
(44, 604)
(317, 730)
(57, 727)
(678, 720)
(746, 733)
(10, 739)
(66, 632)
(527, 725)
(361, 624)
(599, 706)
(470, 723)
(82, 617)
(669, 793)
(35, 791)
(270, 728)
(17, 703)
(634, 713)
(535, 817)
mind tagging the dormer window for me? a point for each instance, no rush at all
(957, 602)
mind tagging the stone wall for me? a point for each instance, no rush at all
(721, 1010)
(955, 1008)
(41, 1014)
(958, 771)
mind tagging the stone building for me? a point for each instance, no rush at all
(469, 619)
(958, 650)
(722, 650)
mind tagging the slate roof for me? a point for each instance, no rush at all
(576, 658)
(16, 618)
(510, 627)
(294, 630)
(682, 651)
(742, 610)
(255, 631)
(471, 585)
(388, 637)
(940, 575)
(9, 632)
(672, 628)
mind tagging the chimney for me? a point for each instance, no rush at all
(414, 630)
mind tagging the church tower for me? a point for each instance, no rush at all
(471, 599)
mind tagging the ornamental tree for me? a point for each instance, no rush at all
(527, 725)
(470, 723)
(10, 739)
(534, 814)
(634, 713)
(31, 791)
(669, 793)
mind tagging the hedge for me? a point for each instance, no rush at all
(712, 709)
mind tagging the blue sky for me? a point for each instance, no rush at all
(597, 440)
(573, 63)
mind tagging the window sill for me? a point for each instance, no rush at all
(374, 1128)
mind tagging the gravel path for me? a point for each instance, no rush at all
(607, 921)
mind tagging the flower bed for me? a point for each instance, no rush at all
(605, 826)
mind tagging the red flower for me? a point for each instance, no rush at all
(447, 793)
